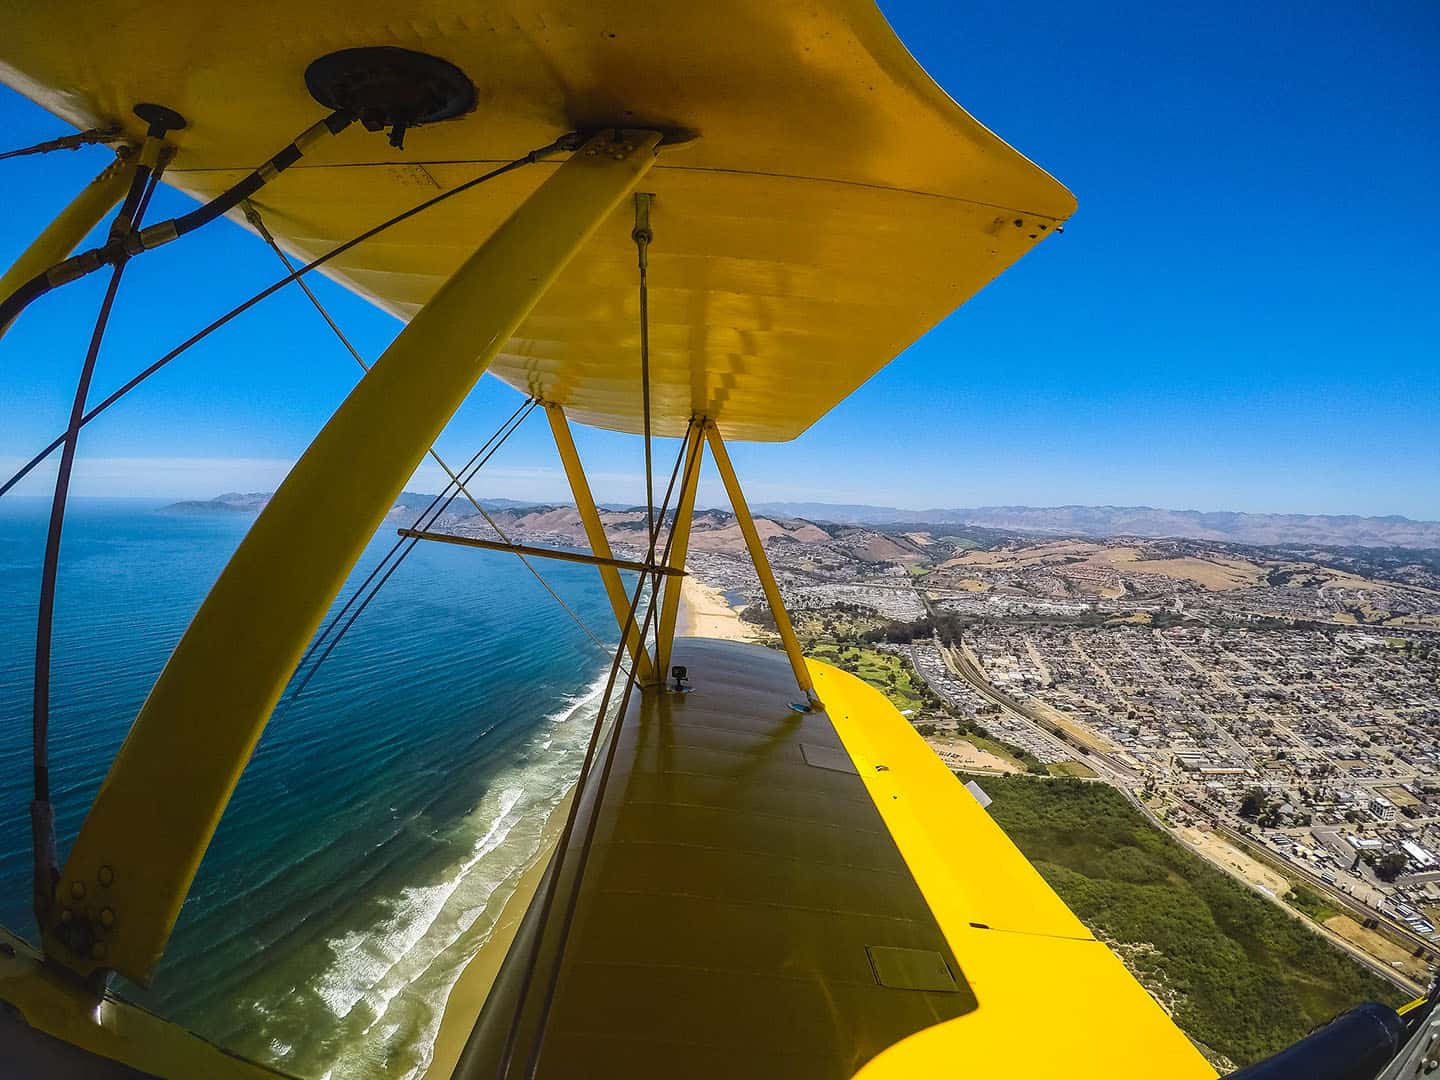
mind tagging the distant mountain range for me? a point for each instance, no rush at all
(253, 502)
(1345, 530)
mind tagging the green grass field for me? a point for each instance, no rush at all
(1072, 768)
(1311, 903)
(1248, 978)
(887, 672)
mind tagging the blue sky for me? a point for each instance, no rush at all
(1242, 315)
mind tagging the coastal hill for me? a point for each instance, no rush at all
(1355, 581)
(1333, 530)
(231, 502)
(1345, 530)
(253, 502)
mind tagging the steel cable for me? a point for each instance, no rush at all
(587, 764)
(68, 142)
(403, 546)
(401, 542)
(42, 813)
(253, 216)
(565, 142)
(130, 242)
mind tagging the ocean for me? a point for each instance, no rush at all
(387, 811)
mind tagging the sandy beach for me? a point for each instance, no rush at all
(704, 612)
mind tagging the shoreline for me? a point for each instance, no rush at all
(467, 996)
(704, 612)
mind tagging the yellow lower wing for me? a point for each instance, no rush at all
(777, 893)
(1053, 999)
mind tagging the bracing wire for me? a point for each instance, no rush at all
(398, 552)
(42, 815)
(690, 456)
(567, 833)
(68, 142)
(252, 214)
(129, 243)
(565, 142)
(642, 236)
(401, 543)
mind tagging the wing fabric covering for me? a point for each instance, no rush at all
(832, 205)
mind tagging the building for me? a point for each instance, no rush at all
(1418, 855)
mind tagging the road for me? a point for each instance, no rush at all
(1103, 763)
(1378, 967)
(1123, 778)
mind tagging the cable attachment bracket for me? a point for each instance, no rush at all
(159, 122)
(642, 233)
(112, 134)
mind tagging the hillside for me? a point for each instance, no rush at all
(1356, 584)
(1329, 530)
(1345, 530)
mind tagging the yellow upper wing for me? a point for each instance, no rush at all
(834, 205)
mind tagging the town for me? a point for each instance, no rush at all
(1280, 715)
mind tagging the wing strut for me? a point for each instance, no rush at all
(73, 224)
(679, 544)
(143, 840)
(599, 542)
(539, 552)
(252, 215)
(762, 564)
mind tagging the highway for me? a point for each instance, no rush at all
(1098, 759)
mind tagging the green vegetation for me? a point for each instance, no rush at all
(1248, 979)
(888, 673)
(834, 634)
(759, 615)
(1388, 866)
(1257, 807)
(840, 624)
(1071, 768)
(1311, 903)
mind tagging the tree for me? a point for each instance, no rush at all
(1390, 865)
(1253, 803)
